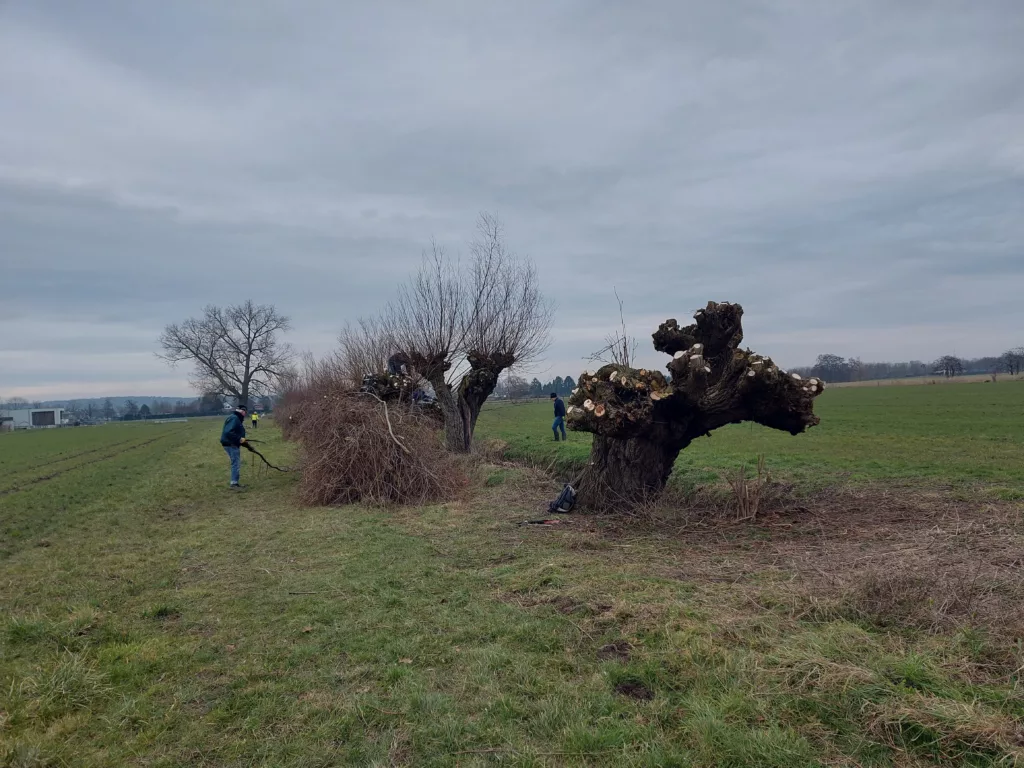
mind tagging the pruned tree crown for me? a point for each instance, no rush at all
(713, 383)
(461, 325)
(641, 419)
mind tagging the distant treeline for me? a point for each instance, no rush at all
(834, 368)
(839, 369)
(88, 410)
(515, 387)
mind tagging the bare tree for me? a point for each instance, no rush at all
(461, 325)
(513, 387)
(857, 369)
(1012, 361)
(832, 367)
(236, 350)
(949, 366)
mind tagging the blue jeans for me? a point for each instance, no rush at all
(235, 454)
(559, 424)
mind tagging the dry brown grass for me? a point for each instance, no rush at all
(747, 492)
(897, 597)
(948, 730)
(895, 559)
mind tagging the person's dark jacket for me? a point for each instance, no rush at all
(395, 363)
(559, 407)
(233, 432)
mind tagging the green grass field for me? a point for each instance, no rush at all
(151, 617)
(970, 435)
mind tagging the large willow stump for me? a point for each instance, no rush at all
(641, 420)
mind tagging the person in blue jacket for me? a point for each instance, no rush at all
(559, 422)
(232, 437)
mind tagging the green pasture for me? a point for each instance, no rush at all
(969, 435)
(151, 617)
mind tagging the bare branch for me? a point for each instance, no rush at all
(620, 347)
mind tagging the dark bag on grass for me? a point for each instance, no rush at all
(565, 502)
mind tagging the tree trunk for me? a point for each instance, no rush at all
(462, 407)
(455, 437)
(627, 472)
(460, 415)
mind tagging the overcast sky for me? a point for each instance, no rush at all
(851, 172)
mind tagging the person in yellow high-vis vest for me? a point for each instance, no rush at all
(255, 420)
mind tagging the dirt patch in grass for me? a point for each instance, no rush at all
(566, 605)
(563, 604)
(634, 689)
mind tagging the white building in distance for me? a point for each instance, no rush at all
(30, 418)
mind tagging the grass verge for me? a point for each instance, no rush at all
(150, 616)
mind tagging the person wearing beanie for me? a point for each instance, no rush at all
(232, 437)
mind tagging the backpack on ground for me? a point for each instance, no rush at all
(565, 502)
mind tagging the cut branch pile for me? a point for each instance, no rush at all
(357, 447)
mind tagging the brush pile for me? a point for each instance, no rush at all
(356, 447)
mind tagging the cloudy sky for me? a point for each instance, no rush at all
(851, 172)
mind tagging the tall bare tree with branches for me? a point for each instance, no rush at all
(461, 325)
(1012, 361)
(949, 366)
(237, 351)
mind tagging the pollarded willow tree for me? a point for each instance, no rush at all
(459, 325)
(641, 420)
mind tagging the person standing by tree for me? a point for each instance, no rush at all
(559, 422)
(255, 419)
(232, 437)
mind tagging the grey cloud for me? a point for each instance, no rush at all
(848, 171)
